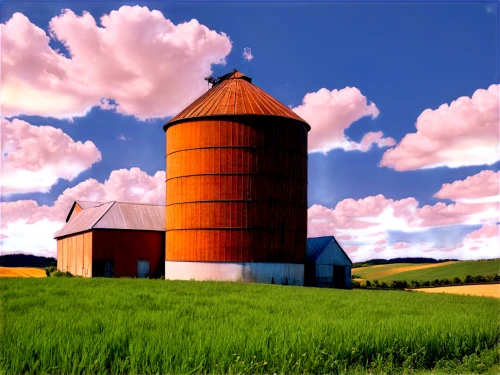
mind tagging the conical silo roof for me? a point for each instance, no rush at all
(234, 94)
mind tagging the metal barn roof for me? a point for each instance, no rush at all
(83, 205)
(234, 94)
(115, 215)
(316, 247)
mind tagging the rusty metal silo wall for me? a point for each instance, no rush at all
(236, 190)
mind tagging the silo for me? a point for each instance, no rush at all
(236, 182)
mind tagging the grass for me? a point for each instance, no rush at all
(22, 272)
(443, 271)
(98, 326)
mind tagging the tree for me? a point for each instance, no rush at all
(479, 279)
(368, 284)
(456, 280)
(436, 282)
(469, 279)
(414, 284)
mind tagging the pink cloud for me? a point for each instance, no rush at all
(466, 250)
(483, 242)
(140, 51)
(485, 184)
(330, 113)
(35, 157)
(371, 138)
(463, 133)
(24, 220)
(486, 231)
(381, 242)
(401, 245)
(375, 215)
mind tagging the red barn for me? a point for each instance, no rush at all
(112, 239)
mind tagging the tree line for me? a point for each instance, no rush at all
(413, 284)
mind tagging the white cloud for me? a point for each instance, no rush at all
(247, 54)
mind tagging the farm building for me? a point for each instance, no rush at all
(236, 183)
(112, 239)
(327, 264)
(236, 202)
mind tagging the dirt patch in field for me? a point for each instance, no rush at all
(489, 290)
(392, 271)
(21, 272)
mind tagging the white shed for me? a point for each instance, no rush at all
(327, 264)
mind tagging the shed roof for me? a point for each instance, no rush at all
(234, 94)
(115, 215)
(317, 245)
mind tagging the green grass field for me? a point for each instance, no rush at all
(449, 271)
(98, 326)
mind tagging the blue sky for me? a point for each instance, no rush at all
(404, 57)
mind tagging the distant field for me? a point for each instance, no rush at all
(123, 326)
(386, 270)
(21, 272)
(490, 290)
(430, 271)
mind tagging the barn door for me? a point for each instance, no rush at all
(109, 268)
(143, 268)
(338, 277)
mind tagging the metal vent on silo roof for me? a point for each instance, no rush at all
(234, 94)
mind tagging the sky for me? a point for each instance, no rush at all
(402, 99)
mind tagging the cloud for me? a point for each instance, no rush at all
(330, 113)
(122, 137)
(26, 220)
(34, 158)
(247, 54)
(368, 140)
(146, 64)
(485, 245)
(463, 133)
(482, 187)
(365, 225)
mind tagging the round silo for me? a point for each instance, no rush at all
(236, 182)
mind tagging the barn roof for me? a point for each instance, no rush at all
(115, 215)
(317, 245)
(84, 205)
(234, 94)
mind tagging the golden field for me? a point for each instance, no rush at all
(488, 290)
(21, 272)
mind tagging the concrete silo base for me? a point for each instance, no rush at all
(266, 273)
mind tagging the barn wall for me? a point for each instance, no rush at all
(334, 255)
(324, 275)
(348, 278)
(268, 273)
(87, 254)
(74, 254)
(126, 247)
